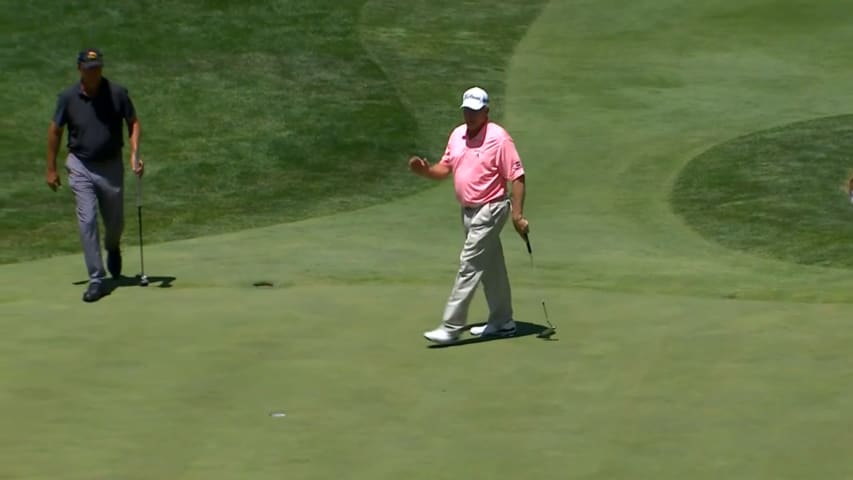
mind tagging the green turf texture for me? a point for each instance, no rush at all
(298, 103)
(677, 356)
(780, 192)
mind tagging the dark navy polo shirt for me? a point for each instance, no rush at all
(95, 123)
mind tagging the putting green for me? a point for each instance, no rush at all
(658, 371)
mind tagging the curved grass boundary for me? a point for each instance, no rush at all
(778, 193)
(432, 51)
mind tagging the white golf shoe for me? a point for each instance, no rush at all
(506, 329)
(441, 336)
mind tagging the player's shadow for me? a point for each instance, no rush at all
(110, 284)
(522, 329)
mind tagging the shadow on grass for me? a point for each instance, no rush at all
(110, 284)
(522, 329)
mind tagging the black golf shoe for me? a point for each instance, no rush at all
(94, 292)
(114, 262)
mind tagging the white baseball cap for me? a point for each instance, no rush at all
(475, 98)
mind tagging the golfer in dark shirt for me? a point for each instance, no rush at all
(95, 110)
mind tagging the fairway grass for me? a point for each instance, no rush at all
(675, 356)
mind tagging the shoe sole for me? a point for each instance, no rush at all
(445, 342)
(507, 332)
(500, 333)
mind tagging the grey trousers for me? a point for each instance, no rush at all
(97, 185)
(482, 258)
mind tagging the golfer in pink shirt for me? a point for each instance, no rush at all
(482, 158)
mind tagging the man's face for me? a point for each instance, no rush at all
(474, 119)
(90, 75)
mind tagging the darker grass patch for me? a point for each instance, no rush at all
(779, 193)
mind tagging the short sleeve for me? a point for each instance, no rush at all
(447, 159)
(508, 160)
(128, 111)
(60, 115)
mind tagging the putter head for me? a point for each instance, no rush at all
(547, 333)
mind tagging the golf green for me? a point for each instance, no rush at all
(678, 353)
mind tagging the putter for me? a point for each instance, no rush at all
(143, 279)
(551, 330)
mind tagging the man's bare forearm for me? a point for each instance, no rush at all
(135, 135)
(437, 172)
(54, 136)
(517, 197)
(434, 172)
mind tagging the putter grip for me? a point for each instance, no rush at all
(527, 242)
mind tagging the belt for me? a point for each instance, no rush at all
(481, 205)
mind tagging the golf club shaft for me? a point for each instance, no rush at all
(139, 218)
(532, 265)
(546, 314)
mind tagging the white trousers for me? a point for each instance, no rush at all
(482, 258)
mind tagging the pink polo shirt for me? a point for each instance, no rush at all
(482, 165)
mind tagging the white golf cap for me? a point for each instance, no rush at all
(475, 98)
